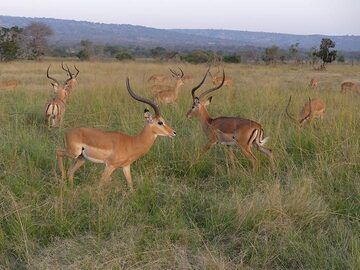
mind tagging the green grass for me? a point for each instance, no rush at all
(305, 214)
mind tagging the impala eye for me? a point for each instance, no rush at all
(160, 123)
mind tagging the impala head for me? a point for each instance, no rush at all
(199, 102)
(156, 122)
(72, 76)
(178, 76)
(304, 116)
(60, 89)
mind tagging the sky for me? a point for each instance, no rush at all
(331, 17)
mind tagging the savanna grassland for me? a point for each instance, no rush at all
(305, 214)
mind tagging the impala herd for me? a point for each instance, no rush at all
(119, 150)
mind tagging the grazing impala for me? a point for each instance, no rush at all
(313, 83)
(237, 131)
(216, 79)
(349, 87)
(71, 82)
(114, 149)
(314, 108)
(5, 85)
(55, 108)
(169, 94)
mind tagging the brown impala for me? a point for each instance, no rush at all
(55, 108)
(349, 87)
(314, 108)
(5, 85)
(237, 131)
(169, 94)
(71, 82)
(114, 149)
(313, 83)
(216, 79)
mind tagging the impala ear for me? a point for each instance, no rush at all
(55, 86)
(208, 101)
(148, 115)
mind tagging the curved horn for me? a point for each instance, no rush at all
(182, 72)
(309, 114)
(288, 114)
(77, 71)
(215, 88)
(200, 84)
(51, 78)
(66, 69)
(141, 99)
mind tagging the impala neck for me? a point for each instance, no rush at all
(144, 140)
(205, 118)
(177, 86)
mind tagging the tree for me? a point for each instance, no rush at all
(326, 55)
(122, 55)
(197, 57)
(87, 50)
(9, 43)
(232, 58)
(158, 52)
(271, 54)
(294, 51)
(36, 35)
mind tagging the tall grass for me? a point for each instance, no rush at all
(207, 215)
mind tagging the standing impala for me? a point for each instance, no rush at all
(71, 82)
(5, 85)
(55, 108)
(313, 83)
(114, 149)
(169, 94)
(314, 108)
(237, 131)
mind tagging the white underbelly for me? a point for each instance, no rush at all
(89, 158)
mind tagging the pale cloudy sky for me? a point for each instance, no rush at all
(336, 17)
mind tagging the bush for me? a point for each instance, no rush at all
(233, 58)
(124, 56)
(197, 57)
(83, 55)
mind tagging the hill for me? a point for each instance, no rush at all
(69, 32)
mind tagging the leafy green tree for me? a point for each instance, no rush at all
(10, 39)
(325, 54)
(271, 54)
(122, 55)
(197, 57)
(232, 58)
(87, 50)
(158, 52)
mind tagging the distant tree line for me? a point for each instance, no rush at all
(25, 43)
(31, 42)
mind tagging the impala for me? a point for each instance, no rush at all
(313, 83)
(314, 108)
(169, 94)
(349, 87)
(114, 149)
(216, 79)
(237, 131)
(55, 108)
(71, 82)
(11, 84)
(159, 78)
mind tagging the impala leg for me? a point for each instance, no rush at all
(128, 177)
(232, 156)
(247, 153)
(60, 153)
(106, 175)
(77, 164)
(267, 152)
(205, 149)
